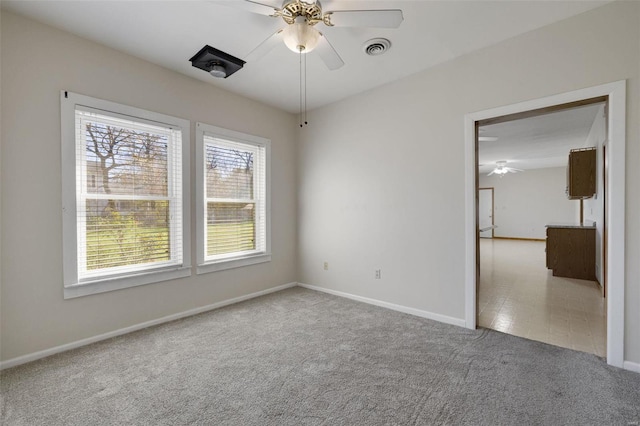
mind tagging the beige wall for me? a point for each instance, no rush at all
(382, 173)
(39, 61)
(524, 203)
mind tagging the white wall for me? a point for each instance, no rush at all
(525, 202)
(1, 180)
(593, 208)
(37, 63)
(382, 173)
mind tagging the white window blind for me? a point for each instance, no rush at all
(234, 175)
(128, 195)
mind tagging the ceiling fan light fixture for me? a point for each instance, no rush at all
(300, 37)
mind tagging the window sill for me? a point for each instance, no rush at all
(118, 283)
(220, 265)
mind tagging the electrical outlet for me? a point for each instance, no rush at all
(378, 275)
(326, 266)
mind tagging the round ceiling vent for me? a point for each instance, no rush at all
(376, 46)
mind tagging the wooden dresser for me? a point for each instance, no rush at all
(571, 251)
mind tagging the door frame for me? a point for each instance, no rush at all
(493, 207)
(605, 171)
(615, 202)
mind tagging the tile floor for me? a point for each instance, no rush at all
(519, 296)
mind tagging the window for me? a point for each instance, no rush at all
(125, 196)
(233, 198)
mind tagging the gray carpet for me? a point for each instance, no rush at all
(301, 357)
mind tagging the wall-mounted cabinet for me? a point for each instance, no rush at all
(581, 174)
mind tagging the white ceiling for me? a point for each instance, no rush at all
(537, 142)
(168, 33)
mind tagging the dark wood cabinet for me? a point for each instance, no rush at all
(581, 173)
(571, 252)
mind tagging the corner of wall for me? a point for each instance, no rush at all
(1, 180)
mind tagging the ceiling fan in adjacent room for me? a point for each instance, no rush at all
(300, 33)
(482, 137)
(502, 169)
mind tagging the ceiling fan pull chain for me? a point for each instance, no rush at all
(305, 90)
(300, 63)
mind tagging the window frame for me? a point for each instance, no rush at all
(240, 259)
(73, 286)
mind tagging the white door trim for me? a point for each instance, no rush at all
(615, 220)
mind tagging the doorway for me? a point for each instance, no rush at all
(615, 94)
(525, 159)
(485, 212)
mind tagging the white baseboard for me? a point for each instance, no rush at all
(83, 342)
(412, 311)
(631, 366)
(627, 365)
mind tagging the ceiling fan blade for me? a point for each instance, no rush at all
(328, 54)
(265, 47)
(492, 172)
(253, 7)
(391, 18)
(487, 138)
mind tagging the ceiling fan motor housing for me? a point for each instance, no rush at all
(312, 11)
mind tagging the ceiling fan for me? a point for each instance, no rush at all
(484, 138)
(300, 33)
(502, 169)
